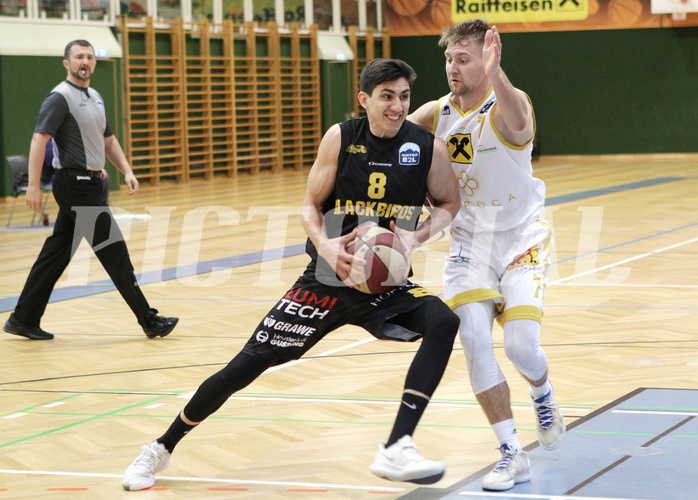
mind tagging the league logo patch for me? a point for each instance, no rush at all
(409, 154)
(446, 111)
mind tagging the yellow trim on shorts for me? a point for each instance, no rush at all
(477, 295)
(548, 243)
(520, 312)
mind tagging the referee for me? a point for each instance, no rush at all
(74, 115)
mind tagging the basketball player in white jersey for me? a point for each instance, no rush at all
(499, 260)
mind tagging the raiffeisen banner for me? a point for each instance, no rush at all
(516, 11)
(430, 17)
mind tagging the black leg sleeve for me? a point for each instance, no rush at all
(438, 326)
(238, 374)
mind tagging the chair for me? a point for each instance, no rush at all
(19, 169)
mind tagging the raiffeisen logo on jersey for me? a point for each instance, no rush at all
(409, 154)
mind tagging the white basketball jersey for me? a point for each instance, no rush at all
(497, 188)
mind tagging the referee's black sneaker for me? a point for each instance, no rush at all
(158, 326)
(31, 332)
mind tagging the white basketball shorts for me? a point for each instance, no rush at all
(511, 268)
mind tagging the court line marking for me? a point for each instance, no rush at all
(629, 285)
(618, 463)
(302, 360)
(651, 412)
(9, 302)
(545, 497)
(592, 193)
(211, 480)
(474, 479)
(74, 424)
(624, 261)
(374, 402)
(153, 406)
(637, 240)
(53, 405)
(326, 353)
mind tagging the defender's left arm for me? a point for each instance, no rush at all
(513, 113)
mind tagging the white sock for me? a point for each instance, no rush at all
(506, 433)
(539, 392)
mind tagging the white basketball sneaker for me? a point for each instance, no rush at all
(141, 473)
(512, 468)
(551, 427)
(401, 461)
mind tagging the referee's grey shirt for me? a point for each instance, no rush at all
(76, 119)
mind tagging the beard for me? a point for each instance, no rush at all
(79, 75)
(460, 89)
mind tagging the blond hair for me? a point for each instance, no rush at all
(472, 29)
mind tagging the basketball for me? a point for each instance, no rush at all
(625, 12)
(593, 7)
(441, 12)
(408, 7)
(386, 265)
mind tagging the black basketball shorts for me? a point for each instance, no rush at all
(310, 310)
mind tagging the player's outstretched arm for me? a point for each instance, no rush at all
(424, 115)
(513, 113)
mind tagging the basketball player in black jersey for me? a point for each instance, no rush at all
(381, 168)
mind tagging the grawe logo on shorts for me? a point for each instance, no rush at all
(283, 326)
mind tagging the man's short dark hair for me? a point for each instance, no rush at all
(81, 43)
(472, 29)
(385, 70)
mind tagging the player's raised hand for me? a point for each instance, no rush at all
(492, 51)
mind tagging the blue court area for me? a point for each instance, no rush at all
(642, 446)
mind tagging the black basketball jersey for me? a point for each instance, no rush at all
(378, 179)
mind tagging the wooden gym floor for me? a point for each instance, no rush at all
(620, 315)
